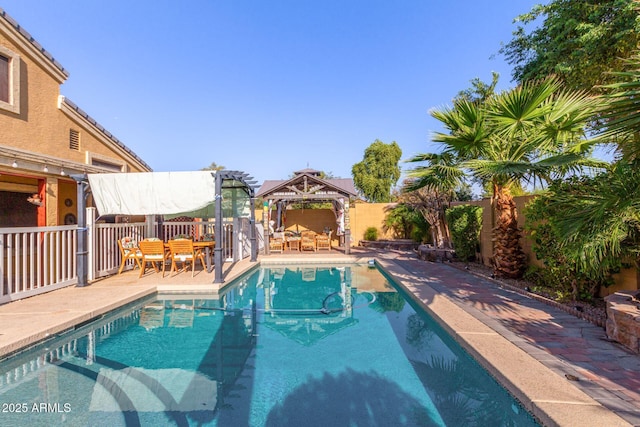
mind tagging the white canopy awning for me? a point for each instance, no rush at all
(152, 193)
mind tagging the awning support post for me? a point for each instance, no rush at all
(217, 252)
(252, 228)
(82, 256)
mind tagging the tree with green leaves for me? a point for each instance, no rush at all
(534, 132)
(479, 90)
(573, 229)
(595, 221)
(213, 167)
(430, 189)
(579, 41)
(378, 171)
(621, 112)
(465, 222)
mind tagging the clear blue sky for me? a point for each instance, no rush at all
(269, 87)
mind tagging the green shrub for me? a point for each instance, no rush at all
(465, 222)
(406, 222)
(389, 301)
(560, 276)
(371, 234)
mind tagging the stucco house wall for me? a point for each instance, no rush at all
(45, 137)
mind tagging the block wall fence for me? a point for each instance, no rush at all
(365, 215)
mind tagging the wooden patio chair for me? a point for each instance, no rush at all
(182, 316)
(182, 250)
(276, 242)
(308, 241)
(152, 316)
(323, 241)
(309, 274)
(152, 252)
(129, 251)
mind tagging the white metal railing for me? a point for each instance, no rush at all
(24, 368)
(36, 259)
(103, 239)
(198, 230)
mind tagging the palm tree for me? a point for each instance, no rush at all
(531, 133)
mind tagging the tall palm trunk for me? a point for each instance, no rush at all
(508, 257)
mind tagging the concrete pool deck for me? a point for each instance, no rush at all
(530, 347)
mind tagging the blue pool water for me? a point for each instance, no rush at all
(287, 346)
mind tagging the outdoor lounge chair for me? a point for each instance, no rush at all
(323, 241)
(129, 251)
(308, 241)
(182, 250)
(152, 252)
(276, 242)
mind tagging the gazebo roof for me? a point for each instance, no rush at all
(307, 184)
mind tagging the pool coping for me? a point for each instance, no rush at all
(552, 399)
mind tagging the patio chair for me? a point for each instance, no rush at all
(182, 250)
(323, 241)
(152, 252)
(309, 274)
(129, 251)
(276, 242)
(181, 316)
(308, 240)
(152, 316)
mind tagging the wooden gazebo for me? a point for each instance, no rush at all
(306, 185)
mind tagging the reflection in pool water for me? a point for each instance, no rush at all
(293, 345)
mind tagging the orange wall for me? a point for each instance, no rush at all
(365, 215)
(362, 216)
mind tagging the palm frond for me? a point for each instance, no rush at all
(622, 112)
(439, 172)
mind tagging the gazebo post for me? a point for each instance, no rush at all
(347, 228)
(265, 225)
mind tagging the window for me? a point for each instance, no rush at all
(106, 162)
(107, 165)
(9, 80)
(4, 79)
(74, 139)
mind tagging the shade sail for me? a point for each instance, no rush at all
(152, 193)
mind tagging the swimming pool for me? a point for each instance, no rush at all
(283, 346)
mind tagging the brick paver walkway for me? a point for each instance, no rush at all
(606, 371)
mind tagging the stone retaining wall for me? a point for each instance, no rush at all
(431, 253)
(623, 319)
(402, 244)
